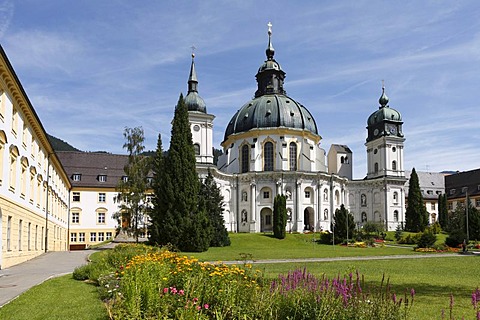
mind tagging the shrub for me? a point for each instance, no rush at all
(427, 239)
(398, 233)
(325, 237)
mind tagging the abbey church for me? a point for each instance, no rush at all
(272, 146)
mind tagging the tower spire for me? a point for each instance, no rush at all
(270, 51)
(383, 98)
(192, 79)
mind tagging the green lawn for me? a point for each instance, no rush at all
(59, 298)
(264, 246)
(433, 278)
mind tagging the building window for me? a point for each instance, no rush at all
(81, 237)
(307, 194)
(109, 235)
(101, 237)
(268, 219)
(102, 197)
(268, 156)
(76, 177)
(101, 218)
(394, 165)
(196, 147)
(432, 206)
(93, 237)
(75, 217)
(245, 158)
(20, 224)
(376, 167)
(125, 179)
(102, 178)
(13, 167)
(293, 156)
(395, 197)
(29, 234)
(36, 237)
(464, 189)
(477, 202)
(266, 194)
(76, 196)
(395, 216)
(452, 191)
(9, 233)
(73, 237)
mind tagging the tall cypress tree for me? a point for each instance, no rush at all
(343, 221)
(416, 215)
(179, 220)
(279, 216)
(212, 201)
(442, 210)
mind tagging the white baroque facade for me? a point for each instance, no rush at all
(271, 146)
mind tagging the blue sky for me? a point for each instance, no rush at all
(92, 68)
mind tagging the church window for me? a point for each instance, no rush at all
(245, 158)
(268, 156)
(394, 149)
(432, 206)
(307, 194)
(342, 159)
(395, 216)
(394, 165)
(196, 147)
(293, 156)
(395, 197)
(266, 194)
(376, 167)
(375, 151)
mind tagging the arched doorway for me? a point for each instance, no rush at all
(308, 219)
(266, 220)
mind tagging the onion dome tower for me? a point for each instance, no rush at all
(385, 141)
(201, 123)
(271, 107)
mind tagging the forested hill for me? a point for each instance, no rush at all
(60, 145)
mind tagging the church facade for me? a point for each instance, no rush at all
(272, 146)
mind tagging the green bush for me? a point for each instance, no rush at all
(427, 239)
(325, 237)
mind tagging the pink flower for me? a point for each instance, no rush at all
(195, 300)
(198, 307)
(181, 292)
(165, 290)
(206, 306)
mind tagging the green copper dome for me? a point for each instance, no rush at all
(384, 113)
(193, 101)
(271, 107)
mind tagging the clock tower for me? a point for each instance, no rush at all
(384, 141)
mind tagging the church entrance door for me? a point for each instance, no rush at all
(308, 219)
(266, 217)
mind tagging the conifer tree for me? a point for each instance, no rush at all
(416, 215)
(179, 220)
(442, 210)
(212, 201)
(279, 216)
(343, 221)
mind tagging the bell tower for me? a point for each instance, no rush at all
(385, 141)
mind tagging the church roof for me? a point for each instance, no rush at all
(193, 101)
(271, 107)
(384, 113)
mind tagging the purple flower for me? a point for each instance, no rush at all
(412, 292)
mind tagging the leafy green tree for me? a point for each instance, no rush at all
(132, 190)
(416, 215)
(442, 210)
(426, 239)
(457, 231)
(177, 217)
(343, 221)
(212, 201)
(279, 216)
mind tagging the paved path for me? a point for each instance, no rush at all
(19, 278)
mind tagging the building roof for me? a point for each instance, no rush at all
(91, 165)
(341, 148)
(193, 101)
(460, 184)
(431, 183)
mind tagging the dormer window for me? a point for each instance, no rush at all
(125, 178)
(464, 189)
(452, 191)
(76, 177)
(102, 178)
(149, 181)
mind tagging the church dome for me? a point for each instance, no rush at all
(384, 113)
(271, 107)
(193, 101)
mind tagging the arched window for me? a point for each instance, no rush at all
(395, 197)
(268, 156)
(196, 147)
(13, 166)
(245, 158)
(394, 165)
(293, 156)
(346, 160)
(3, 141)
(376, 167)
(342, 159)
(337, 197)
(395, 216)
